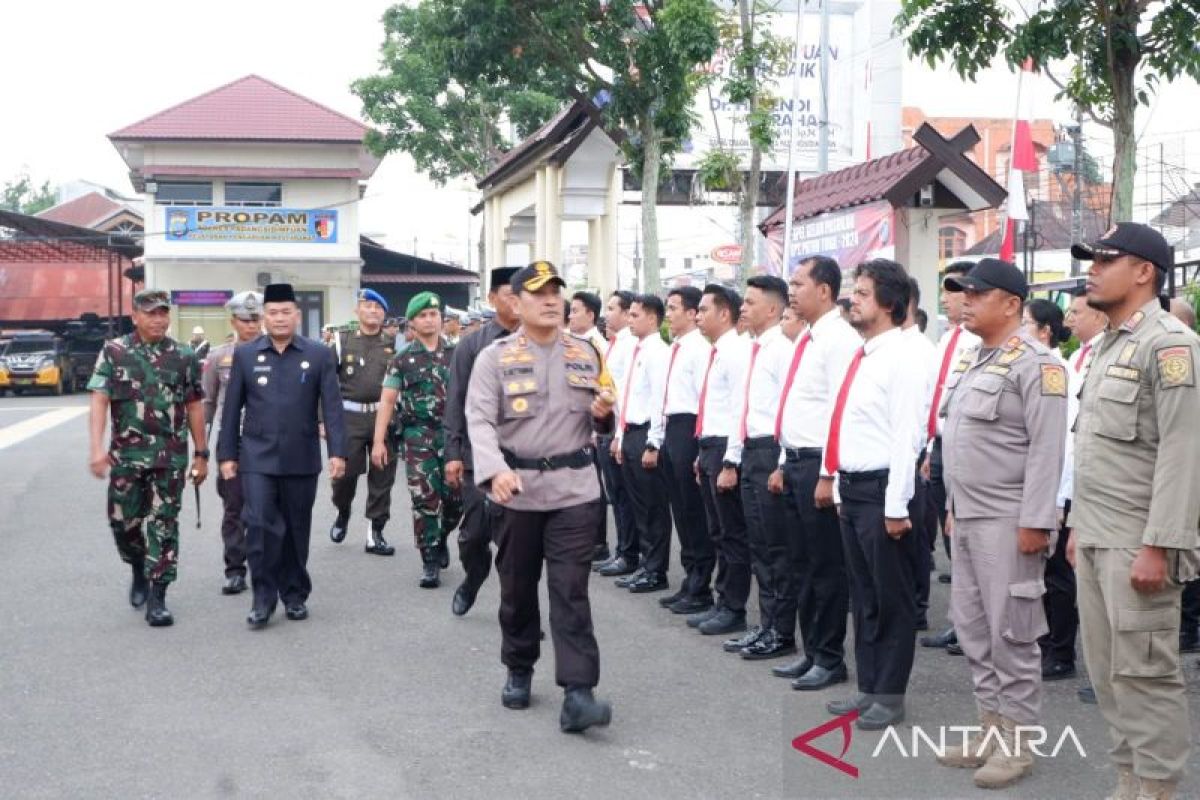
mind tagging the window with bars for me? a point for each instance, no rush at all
(183, 193)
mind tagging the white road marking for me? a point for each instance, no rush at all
(27, 428)
(31, 408)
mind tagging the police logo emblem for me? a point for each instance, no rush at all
(262, 380)
(1054, 380)
(520, 405)
(349, 370)
(1175, 366)
(261, 358)
(303, 365)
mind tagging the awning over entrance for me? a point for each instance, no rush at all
(398, 277)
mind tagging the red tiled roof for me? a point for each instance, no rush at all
(248, 109)
(41, 291)
(84, 211)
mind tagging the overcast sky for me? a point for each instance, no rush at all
(76, 71)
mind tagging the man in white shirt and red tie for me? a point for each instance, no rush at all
(818, 598)
(872, 446)
(724, 376)
(621, 342)
(672, 448)
(641, 392)
(754, 451)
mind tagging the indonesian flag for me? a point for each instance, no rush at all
(1023, 159)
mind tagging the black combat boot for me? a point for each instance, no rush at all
(431, 575)
(156, 609)
(140, 587)
(337, 531)
(376, 544)
(444, 555)
(580, 710)
(516, 690)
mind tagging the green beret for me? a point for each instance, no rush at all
(421, 302)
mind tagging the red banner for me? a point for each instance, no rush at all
(850, 236)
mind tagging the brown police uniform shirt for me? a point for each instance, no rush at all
(1137, 446)
(1005, 429)
(215, 379)
(535, 402)
(362, 363)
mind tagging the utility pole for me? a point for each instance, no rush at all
(637, 258)
(823, 130)
(1076, 132)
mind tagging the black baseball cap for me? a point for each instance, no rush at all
(990, 273)
(535, 276)
(1129, 238)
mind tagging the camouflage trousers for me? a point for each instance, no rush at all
(143, 512)
(436, 508)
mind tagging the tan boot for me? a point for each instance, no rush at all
(978, 748)
(1005, 768)
(1156, 790)
(1127, 785)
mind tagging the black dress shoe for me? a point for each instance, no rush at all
(752, 635)
(769, 645)
(859, 702)
(431, 575)
(139, 589)
(672, 599)
(618, 566)
(793, 670)
(819, 677)
(234, 584)
(954, 649)
(260, 615)
(630, 579)
(601, 554)
(377, 545)
(649, 583)
(337, 531)
(157, 615)
(879, 716)
(944, 638)
(296, 612)
(724, 621)
(581, 710)
(1057, 671)
(944, 577)
(692, 605)
(516, 690)
(464, 598)
(695, 620)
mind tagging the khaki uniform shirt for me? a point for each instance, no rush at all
(215, 380)
(362, 363)
(535, 402)
(1137, 449)
(1005, 430)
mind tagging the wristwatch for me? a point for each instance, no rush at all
(201, 454)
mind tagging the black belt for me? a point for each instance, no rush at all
(757, 442)
(713, 441)
(641, 426)
(801, 453)
(574, 460)
(863, 477)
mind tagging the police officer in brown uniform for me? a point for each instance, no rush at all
(1136, 507)
(1005, 415)
(363, 357)
(533, 402)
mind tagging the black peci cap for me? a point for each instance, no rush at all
(989, 273)
(501, 276)
(1129, 238)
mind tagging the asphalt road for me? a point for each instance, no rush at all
(382, 693)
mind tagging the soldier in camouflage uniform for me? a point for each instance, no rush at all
(415, 388)
(151, 386)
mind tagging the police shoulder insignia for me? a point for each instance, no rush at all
(1134, 320)
(1054, 380)
(1175, 366)
(1011, 355)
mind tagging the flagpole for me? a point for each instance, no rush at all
(1012, 153)
(790, 204)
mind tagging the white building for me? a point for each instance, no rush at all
(246, 185)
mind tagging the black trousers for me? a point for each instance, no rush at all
(474, 533)
(677, 460)
(726, 527)
(937, 492)
(1062, 615)
(628, 545)
(360, 432)
(882, 589)
(277, 511)
(1189, 619)
(766, 533)
(602, 523)
(564, 539)
(922, 556)
(651, 507)
(233, 530)
(819, 584)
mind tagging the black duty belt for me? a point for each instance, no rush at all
(713, 441)
(641, 426)
(863, 477)
(758, 442)
(801, 453)
(574, 460)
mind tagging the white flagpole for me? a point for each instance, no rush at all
(785, 267)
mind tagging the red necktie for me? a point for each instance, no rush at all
(833, 444)
(1083, 351)
(670, 368)
(628, 383)
(712, 356)
(746, 392)
(787, 383)
(941, 382)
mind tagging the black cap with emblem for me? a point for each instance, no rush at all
(1129, 238)
(990, 273)
(535, 276)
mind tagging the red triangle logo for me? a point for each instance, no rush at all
(802, 743)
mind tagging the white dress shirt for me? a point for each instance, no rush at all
(644, 380)
(616, 358)
(758, 398)
(682, 385)
(965, 340)
(724, 382)
(1077, 369)
(924, 352)
(881, 413)
(809, 402)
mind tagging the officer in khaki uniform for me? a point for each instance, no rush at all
(1136, 508)
(1005, 413)
(534, 400)
(363, 356)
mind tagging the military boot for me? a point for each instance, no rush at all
(1008, 762)
(444, 555)
(431, 574)
(376, 544)
(581, 710)
(979, 745)
(140, 587)
(156, 608)
(1127, 785)
(1152, 789)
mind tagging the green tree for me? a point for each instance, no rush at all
(1117, 51)
(19, 194)
(637, 59)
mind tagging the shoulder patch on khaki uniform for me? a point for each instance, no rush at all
(1175, 367)
(1054, 380)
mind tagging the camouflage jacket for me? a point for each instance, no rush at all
(421, 376)
(149, 386)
